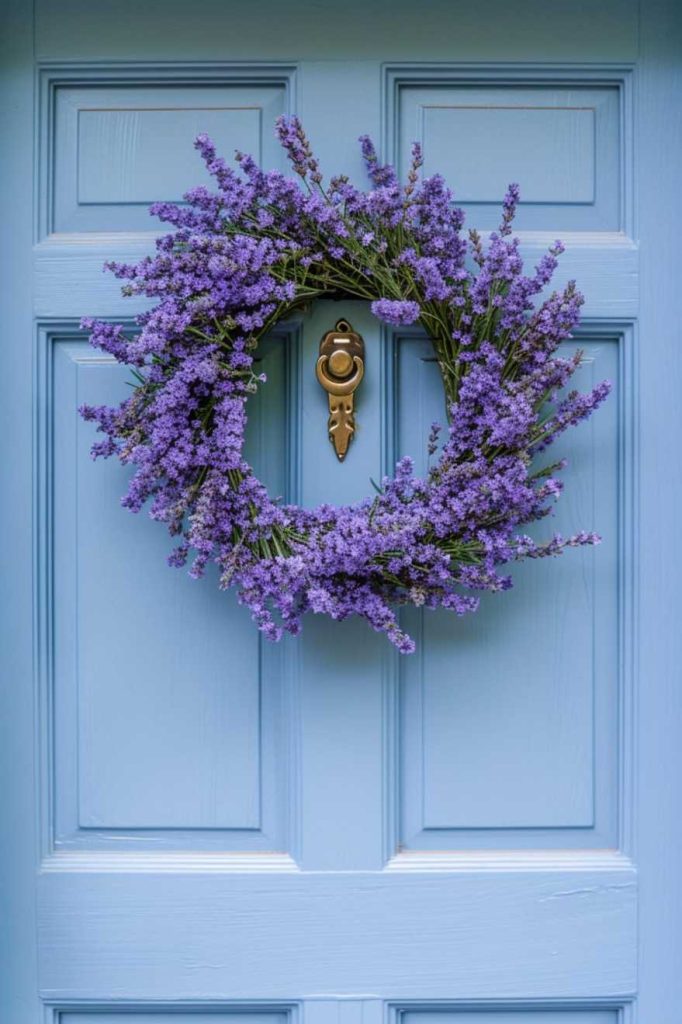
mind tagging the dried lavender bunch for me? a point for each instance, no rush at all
(263, 245)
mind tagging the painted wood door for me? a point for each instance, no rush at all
(198, 824)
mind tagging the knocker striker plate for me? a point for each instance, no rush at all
(340, 368)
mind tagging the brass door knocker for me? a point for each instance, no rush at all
(340, 368)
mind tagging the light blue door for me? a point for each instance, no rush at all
(198, 824)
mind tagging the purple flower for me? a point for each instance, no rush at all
(398, 312)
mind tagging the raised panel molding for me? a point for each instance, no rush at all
(563, 132)
(445, 801)
(113, 138)
(227, 745)
(520, 126)
(501, 1013)
(172, 1013)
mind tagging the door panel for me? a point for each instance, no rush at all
(167, 710)
(132, 1017)
(513, 735)
(514, 1017)
(199, 824)
(560, 139)
(118, 146)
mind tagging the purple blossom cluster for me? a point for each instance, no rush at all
(262, 245)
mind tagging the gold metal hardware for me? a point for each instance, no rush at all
(340, 368)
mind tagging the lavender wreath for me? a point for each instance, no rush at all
(261, 246)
